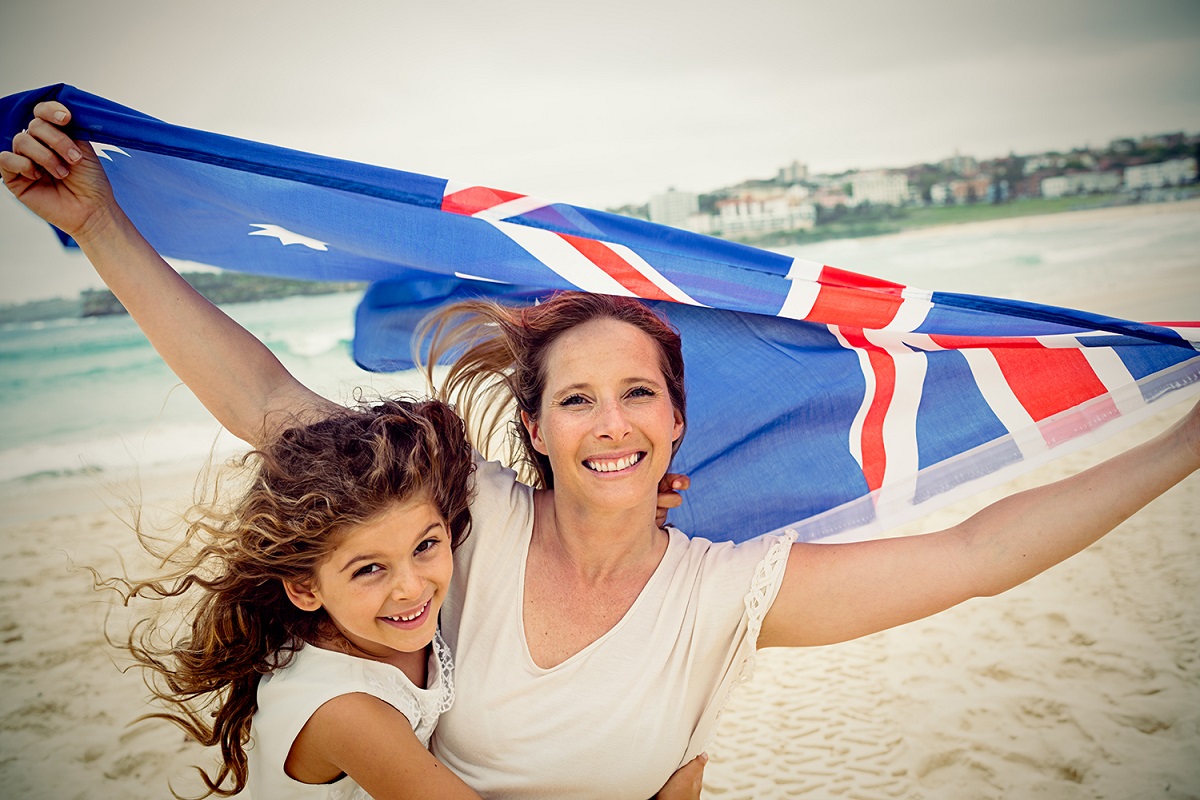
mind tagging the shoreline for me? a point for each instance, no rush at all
(1047, 219)
(1026, 208)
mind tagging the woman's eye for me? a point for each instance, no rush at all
(641, 391)
(369, 569)
(573, 400)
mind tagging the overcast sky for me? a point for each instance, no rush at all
(606, 103)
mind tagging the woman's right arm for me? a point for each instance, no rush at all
(233, 374)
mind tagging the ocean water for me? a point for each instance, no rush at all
(1143, 265)
(92, 397)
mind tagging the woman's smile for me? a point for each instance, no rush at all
(610, 464)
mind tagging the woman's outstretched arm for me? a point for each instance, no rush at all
(233, 374)
(835, 592)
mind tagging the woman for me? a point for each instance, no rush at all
(597, 383)
(612, 643)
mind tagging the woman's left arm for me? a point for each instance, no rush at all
(835, 592)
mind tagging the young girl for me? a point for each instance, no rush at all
(314, 633)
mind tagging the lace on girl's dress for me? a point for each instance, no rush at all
(446, 668)
(394, 686)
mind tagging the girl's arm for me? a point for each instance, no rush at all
(373, 743)
(369, 740)
(835, 592)
(233, 374)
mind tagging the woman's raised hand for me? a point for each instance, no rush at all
(59, 179)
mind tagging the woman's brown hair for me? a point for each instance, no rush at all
(498, 366)
(303, 490)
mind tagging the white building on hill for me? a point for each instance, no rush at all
(1080, 183)
(1164, 173)
(673, 208)
(748, 216)
(879, 188)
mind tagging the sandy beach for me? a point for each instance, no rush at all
(1083, 683)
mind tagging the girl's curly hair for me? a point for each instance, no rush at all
(303, 489)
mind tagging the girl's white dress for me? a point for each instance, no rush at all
(289, 696)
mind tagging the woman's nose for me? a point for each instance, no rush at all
(611, 420)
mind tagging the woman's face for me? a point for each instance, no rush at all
(606, 421)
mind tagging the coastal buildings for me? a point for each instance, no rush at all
(797, 200)
(746, 215)
(1175, 172)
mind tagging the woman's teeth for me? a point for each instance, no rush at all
(615, 465)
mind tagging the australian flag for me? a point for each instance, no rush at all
(819, 399)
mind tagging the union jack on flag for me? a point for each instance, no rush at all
(820, 399)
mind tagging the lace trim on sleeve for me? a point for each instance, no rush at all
(763, 588)
(393, 683)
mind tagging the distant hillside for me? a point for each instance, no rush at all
(40, 310)
(223, 287)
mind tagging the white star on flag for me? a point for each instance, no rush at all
(287, 237)
(103, 150)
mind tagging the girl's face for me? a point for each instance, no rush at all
(385, 582)
(606, 420)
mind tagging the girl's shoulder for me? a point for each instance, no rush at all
(314, 676)
(499, 497)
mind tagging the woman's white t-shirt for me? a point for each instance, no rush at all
(617, 718)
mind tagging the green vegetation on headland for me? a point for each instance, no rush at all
(219, 287)
(224, 287)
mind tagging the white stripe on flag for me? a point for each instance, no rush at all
(864, 365)
(513, 208)
(899, 422)
(454, 187)
(913, 310)
(553, 251)
(804, 286)
(1004, 404)
(650, 273)
(1115, 376)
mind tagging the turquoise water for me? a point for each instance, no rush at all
(93, 396)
